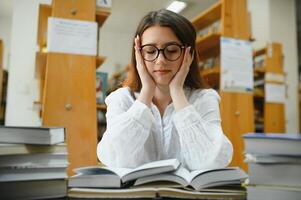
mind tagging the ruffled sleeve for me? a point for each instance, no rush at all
(203, 144)
(128, 127)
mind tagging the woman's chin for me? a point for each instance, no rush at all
(163, 82)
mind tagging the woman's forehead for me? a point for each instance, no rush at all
(158, 35)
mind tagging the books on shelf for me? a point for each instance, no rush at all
(215, 27)
(259, 61)
(210, 63)
(31, 135)
(275, 144)
(101, 86)
(198, 179)
(259, 82)
(152, 193)
(96, 176)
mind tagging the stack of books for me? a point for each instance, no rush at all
(158, 179)
(274, 162)
(33, 163)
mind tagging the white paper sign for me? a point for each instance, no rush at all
(236, 65)
(269, 76)
(72, 36)
(274, 93)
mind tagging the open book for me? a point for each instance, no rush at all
(152, 193)
(198, 179)
(105, 177)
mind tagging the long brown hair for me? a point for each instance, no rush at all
(185, 32)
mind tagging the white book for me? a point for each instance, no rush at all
(273, 143)
(32, 135)
(105, 177)
(273, 192)
(285, 174)
(272, 159)
(26, 173)
(41, 159)
(198, 179)
(23, 149)
(151, 193)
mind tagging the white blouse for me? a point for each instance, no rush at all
(137, 134)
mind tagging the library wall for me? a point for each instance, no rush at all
(260, 17)
(283, 29)
(122, 52)
(22, 86)
(5, 35)
(275, 21)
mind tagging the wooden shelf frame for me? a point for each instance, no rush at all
(45, 10)
(273, 113)
(236, 107)
(208, 17)
(208, 46)
(67, 89)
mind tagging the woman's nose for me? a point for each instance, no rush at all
(161, 57)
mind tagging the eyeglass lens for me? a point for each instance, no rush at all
(171, 52)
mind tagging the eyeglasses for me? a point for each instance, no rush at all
(171, 52)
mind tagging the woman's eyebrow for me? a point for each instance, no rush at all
(163, 45)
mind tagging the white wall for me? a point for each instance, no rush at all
(5, 35)
(275, 21)
(118, 53)
(283, 29)
(22, 86)
(260, 19)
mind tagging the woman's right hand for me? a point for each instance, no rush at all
(148, 83)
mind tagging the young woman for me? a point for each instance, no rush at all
(163, 111)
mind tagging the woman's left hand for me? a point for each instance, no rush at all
(178, 80)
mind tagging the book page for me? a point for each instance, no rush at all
(185, 174)
(148, 168)
(159, 163)
(94, 170)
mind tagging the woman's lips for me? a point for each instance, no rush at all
(162, 72)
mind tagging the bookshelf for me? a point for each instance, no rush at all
(67, 89)
(268, 69)
(226, 18)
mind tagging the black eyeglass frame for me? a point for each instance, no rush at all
(162, 49)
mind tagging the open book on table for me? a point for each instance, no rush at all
(152, 193)
(198, 179)
(105, 177)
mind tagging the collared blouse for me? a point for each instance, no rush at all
(137, 134)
